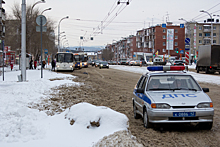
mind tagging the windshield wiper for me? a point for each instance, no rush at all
(183, 89)
(160, 89)
(192, 89)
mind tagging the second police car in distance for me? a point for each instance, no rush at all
(171, 97)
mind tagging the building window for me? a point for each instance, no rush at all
(176, 43)
(150, 50)
(176, 37)
(164, 50)
(164, 43)
(176, 31)
(200, 27)
(214, 34)
(200, 41)
(164, 30)
(207, 34)
(214, 41)
(164, 37)
(200, 34)
(214, 27)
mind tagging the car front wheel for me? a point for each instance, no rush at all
(206, 125)
(147, 124)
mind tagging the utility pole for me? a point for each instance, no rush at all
(2, 37)
(23, 42)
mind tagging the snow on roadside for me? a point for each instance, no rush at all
(205, 78)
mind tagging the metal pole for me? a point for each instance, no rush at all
(41, 46)
(23, 42)
(211, 31)
(2, 42)
(59, 37)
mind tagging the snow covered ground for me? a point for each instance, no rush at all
(21, 126)
(199, 77)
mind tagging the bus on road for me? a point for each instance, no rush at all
(65, 61)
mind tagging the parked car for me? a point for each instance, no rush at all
(171, 97)
(131, 63)
(113, 63)
(137, 63)
(178, 62)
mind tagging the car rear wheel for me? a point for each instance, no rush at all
(147, 124)
(136, 115)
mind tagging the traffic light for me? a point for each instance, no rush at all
(176, 50)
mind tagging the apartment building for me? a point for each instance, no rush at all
(200, 34)
(162, 39)
(124, 48)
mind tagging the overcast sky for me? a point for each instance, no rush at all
(135, 16)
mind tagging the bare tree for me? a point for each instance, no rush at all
(33, 46)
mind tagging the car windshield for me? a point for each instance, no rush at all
(180, 61)
(104, 62)
(172, 82)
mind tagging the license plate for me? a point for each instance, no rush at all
(184, 114)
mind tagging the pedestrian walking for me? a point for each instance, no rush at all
(11, 66)
(53, 64)
(35, 64)
(31, 64)
(44, 63)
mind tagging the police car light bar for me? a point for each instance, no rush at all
(166, 68)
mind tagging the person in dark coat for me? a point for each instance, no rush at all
(44, 63)
(53, 65)
(31, 63)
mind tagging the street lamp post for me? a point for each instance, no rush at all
(59, 32)
(211, 25)
(42, 1)
(45, 10)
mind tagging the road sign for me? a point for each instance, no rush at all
(164, 25)
(187, 46)
(187, 40)
(181, 51)
(181, 25)
(44, 29)
(38, 19)
(46, 51)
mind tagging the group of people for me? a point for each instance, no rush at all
(31, 64)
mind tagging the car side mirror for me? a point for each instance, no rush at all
(140, 90)
(205, 89)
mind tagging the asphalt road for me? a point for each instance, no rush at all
(113, 88)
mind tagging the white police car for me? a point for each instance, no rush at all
(171, 97)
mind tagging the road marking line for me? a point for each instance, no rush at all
(100, 74)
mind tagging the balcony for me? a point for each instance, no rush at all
(206, 30)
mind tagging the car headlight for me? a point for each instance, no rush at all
(160, 106)
(107, 65)
(71, 66)
(205, 105)
(101, 65)
(58, 66)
